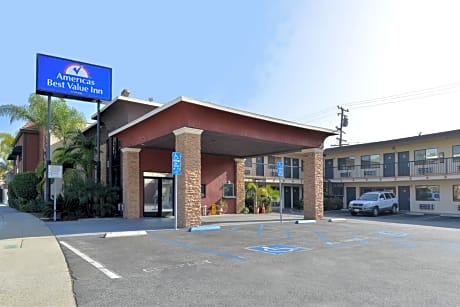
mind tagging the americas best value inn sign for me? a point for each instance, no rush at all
(73, 79)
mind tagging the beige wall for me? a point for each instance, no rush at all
(446, 204)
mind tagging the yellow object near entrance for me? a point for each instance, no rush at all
(213, 209)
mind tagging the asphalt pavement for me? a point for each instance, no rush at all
(35, 272)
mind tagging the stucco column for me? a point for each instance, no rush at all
(188, 143)
(240, 191)
(313, 183)
(131, 182)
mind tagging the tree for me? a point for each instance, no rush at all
(6, 145)
(262, 196)
(65, 120)
(77, 155)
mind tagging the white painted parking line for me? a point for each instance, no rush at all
(94, 263)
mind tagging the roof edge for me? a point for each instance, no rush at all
(221, 108)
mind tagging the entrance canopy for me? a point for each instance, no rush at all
(226, 131)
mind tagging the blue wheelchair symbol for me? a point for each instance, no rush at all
(277, 249)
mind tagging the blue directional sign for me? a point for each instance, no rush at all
(280, 169)
(176, 163)
(277, 249)
(72, 79)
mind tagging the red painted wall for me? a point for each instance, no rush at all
(215, 171)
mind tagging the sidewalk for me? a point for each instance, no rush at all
(33, 270)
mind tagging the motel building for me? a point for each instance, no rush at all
(138, 138)
(423, 171)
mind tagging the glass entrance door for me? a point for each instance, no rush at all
(167, 196)
(158, 196)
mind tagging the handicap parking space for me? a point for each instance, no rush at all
(284, 258)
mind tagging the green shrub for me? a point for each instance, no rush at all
(31, 205)
(23, 189)
(245, 210)
(87, 199)
(298, 204)
(12, 198)
(333, 203)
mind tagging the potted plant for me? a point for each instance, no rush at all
(221, 206)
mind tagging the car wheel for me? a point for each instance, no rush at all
(394, 209)
(375, 211)
(353, 213)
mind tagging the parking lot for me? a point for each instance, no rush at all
(347, 263)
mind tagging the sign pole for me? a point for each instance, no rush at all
(281, 174)
(176, 157)
(281, 204)
(54, 171)
(98, 141)
(54, 201)
(48, 152)
(175, 202)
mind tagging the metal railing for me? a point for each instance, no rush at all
(271, 170)
(431, 167)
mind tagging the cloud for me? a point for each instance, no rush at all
(338, 52)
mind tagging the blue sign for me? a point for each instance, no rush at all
(176, 163)
(72, 79)
(277, 249)
(280, 169)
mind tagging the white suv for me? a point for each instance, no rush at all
(374, 203)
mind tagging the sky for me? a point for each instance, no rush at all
(393, 64)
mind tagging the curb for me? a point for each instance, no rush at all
(124, 234)
(338, 219)
(305, 221)
(204, 228)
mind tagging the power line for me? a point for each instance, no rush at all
(426, 91)
(389, 99)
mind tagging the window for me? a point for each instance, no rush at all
(427, 193)
(228, 190)
(456, 152)
(456, 192)
(203, 191)
(248, 162)
(421, 155)
(346, 163)
(271, 162)
(295, 168)
(370, 161)
(260, 166)
(287, 167)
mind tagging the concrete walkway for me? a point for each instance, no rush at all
(33, 270)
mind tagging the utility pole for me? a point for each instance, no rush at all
(343, 123)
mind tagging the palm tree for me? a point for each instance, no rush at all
(65, 120)
(6, 145)
(77, 156)
(262, 196)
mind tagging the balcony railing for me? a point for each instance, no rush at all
(431, 167)
(271, 170)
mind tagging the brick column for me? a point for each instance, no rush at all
(188, 143)
(313, 183)
(131, 182)
(240, 191)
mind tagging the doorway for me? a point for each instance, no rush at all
(404, 198)
(351, 195)
(287, 198)
(158, 196)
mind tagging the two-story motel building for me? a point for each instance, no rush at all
(424, 171)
